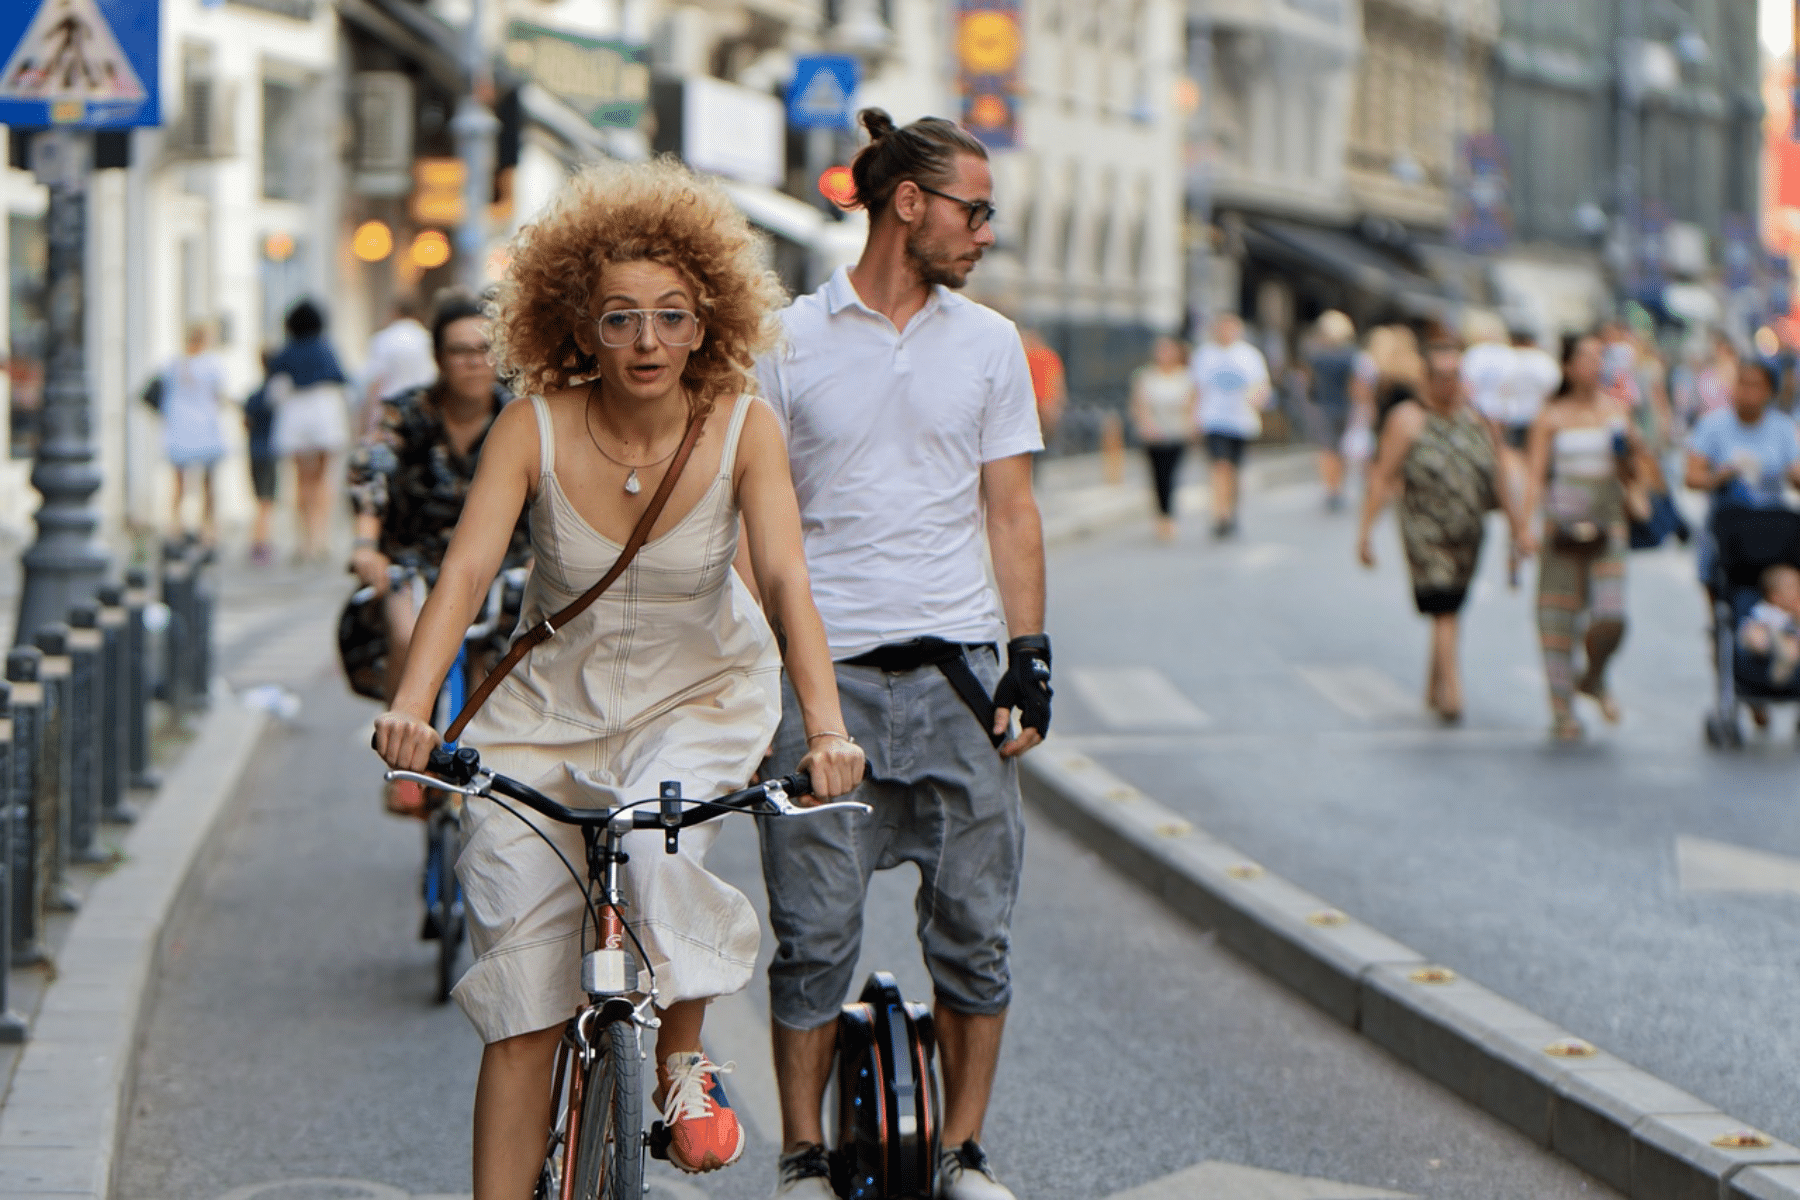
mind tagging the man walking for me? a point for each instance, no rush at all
(911, 426)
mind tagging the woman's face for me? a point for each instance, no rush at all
(463, 362)
(1750, 395)
(1168, 354)
(1583, 367)
(647, 367)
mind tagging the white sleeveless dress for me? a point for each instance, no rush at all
(673, 673)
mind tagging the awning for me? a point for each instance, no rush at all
(1344, 258)
(777, 212)
(411, 33)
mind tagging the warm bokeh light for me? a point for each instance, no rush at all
(431, 249)
(372, 242)
(278, 247)
(1767, 343)
(838, 186)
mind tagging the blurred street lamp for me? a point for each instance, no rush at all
(475, 128)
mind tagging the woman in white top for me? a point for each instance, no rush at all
(306, 385)
(1581, 454)
(632, 308)
(1163, 404)
(193, 388)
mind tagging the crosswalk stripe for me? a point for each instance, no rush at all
(1361, 692)
(1708, 866)
(1229, 1181)
(1136, 698)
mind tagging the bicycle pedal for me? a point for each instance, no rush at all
(658, 1140)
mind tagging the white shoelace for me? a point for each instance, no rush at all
(687, 1096)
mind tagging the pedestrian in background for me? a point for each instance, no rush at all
(1331, 364)
(1536, 375)
(1232, 379)
(259, 429)
(1049, 383)
(1487, 364)
(1582, 452)
(193, 391)
(306, 385)
(1163, 408)
(1716, 379)
(1441, 458)
(1743, 454)
(400, 359)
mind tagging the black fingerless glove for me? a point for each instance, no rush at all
(1026, 684)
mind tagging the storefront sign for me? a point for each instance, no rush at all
(732, 131)
(990, 46)
(1483, 206)
(608, 82)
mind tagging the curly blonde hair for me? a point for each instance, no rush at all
(612, 212)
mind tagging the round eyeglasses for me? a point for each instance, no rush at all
(623, 326)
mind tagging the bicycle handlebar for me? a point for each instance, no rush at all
(461, 771)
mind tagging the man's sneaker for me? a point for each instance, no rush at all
(805, 1175)
(964, 1174)
(704, 1133)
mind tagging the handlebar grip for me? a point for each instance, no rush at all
(797, 784)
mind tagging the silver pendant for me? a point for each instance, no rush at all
(632, 486)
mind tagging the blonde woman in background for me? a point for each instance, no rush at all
(1164, 403)
(1331, 366)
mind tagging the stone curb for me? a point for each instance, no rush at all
(62, 1119)
(1638, 1134)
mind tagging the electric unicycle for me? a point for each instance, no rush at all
(886, 1133)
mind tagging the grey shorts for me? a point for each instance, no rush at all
(944, 800)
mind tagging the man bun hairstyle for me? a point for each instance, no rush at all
(924, 152)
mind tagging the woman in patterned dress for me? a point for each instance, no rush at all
(1441, 457)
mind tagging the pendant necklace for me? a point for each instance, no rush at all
(632, 486)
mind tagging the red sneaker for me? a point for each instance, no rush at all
(704, 1133)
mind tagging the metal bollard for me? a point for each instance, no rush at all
(54, 769)
(202, 604)
(86, 644)
(26, 863)
(12, 1026)
(178, 596)
(115, 712)
(141, 681)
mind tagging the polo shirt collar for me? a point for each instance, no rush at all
(840, 294)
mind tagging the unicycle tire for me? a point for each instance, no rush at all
(886, 1136)
(446, 835)
(609, 1142)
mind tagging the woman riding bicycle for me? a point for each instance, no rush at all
(634, 306)
(409, 477)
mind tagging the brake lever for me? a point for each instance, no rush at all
(779, 802)
(479, 788)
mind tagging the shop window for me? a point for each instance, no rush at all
(286, 146)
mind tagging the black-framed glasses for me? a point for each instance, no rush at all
(980, 211)
(674, 326)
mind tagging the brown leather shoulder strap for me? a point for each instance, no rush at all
(544, 630)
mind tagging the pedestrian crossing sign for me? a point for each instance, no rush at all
(89, 63)
(822, 92)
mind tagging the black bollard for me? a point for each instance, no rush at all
(27, 861)
(86, 643)
(138, 664)
(202, 605)
(178, 641)
(12, 1026)
(54, 769)
(115, 711)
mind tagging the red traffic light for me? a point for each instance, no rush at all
(838, 186)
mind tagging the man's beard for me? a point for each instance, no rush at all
(933, 266)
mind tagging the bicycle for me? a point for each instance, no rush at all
(443, 921)
(596, 1142)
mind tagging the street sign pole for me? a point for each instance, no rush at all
(475, 128)
(65, 565)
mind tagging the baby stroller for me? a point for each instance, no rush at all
(1748, 542)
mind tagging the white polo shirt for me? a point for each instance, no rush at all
(887, 433)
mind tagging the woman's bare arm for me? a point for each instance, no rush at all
(765, 492)
(502, 486)
(1401, 430)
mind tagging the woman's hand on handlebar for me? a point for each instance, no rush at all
(404, 742)
(836, 765)
(371, 566)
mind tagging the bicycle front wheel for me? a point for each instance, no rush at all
(609, 1148)
(446, 835)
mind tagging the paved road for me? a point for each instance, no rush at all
(291, 1035)
(1584, 883)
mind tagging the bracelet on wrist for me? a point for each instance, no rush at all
(812, 737)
